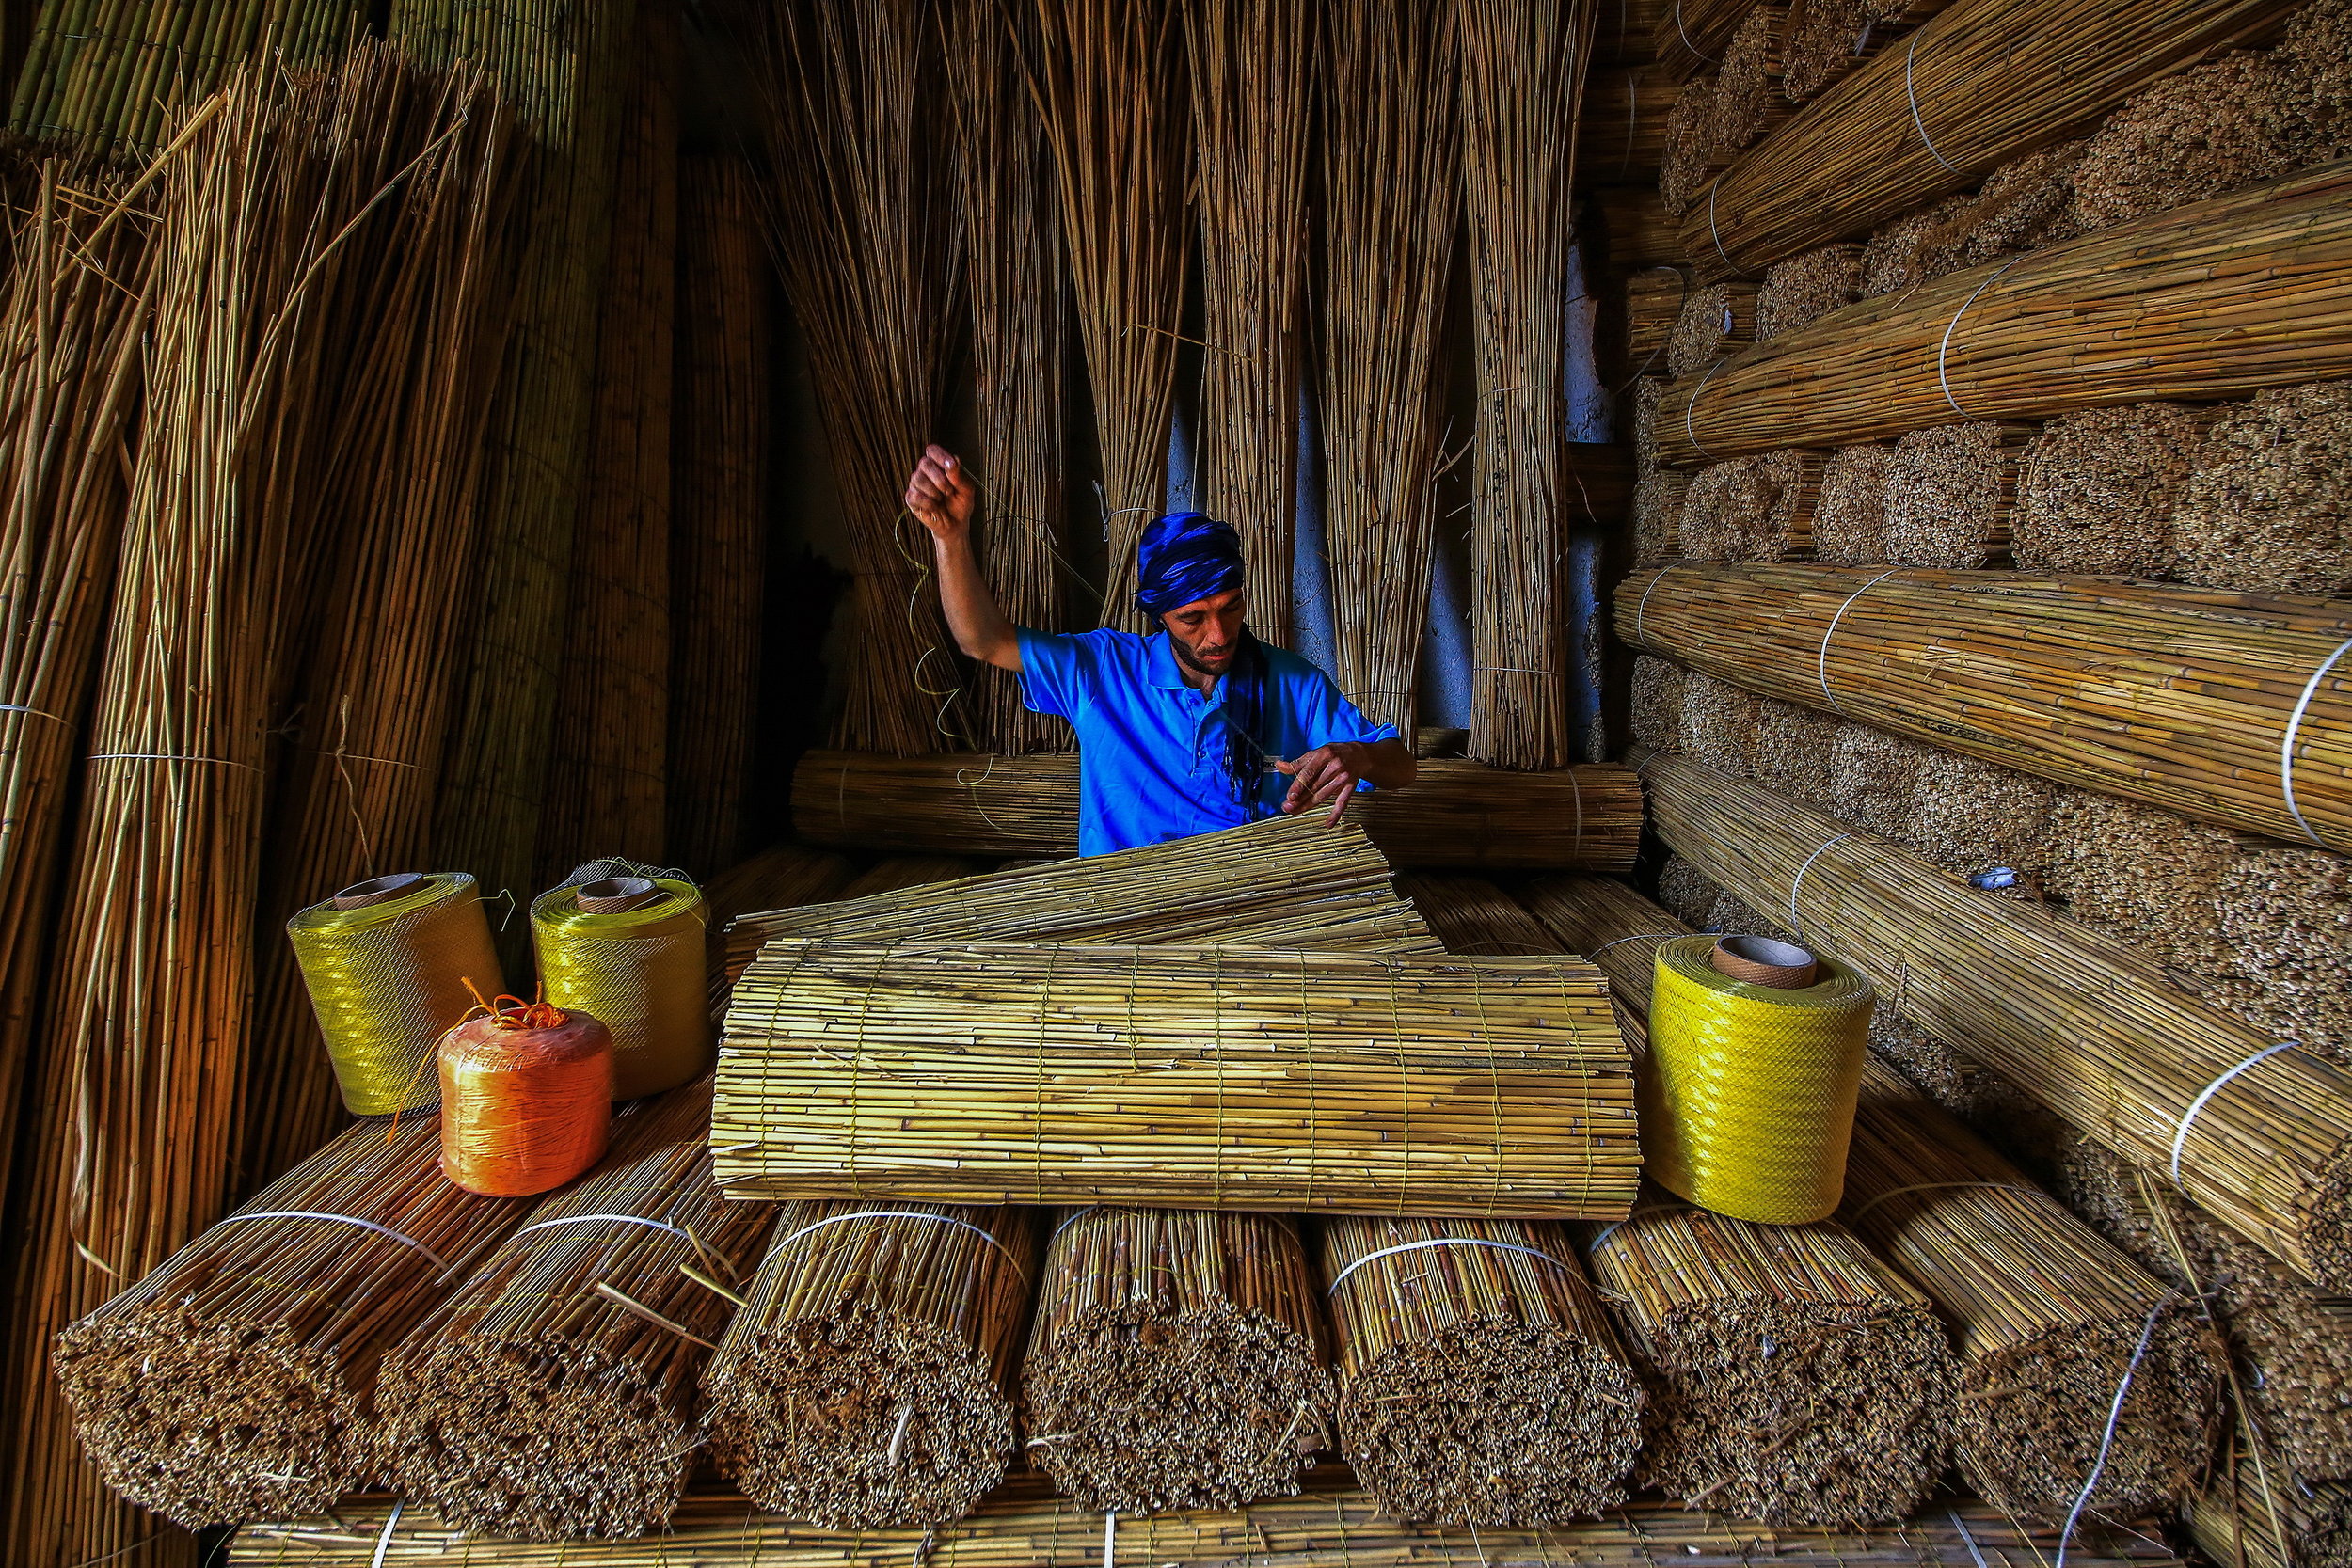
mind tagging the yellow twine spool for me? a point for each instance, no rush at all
(388, 978)
(1747, 1099)
(639, 970)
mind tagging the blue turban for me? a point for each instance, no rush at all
(1185, 557)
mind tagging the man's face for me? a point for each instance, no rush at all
(1206, 632)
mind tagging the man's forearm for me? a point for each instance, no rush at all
(1389, 763)
(973, 614)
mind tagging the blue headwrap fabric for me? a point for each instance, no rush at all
(1185, 557)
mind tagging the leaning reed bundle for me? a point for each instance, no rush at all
(236, 1380)
(2063, 1013)
(1849, 518)
(2250, 1515)
(1807, 287)
(2206, 131)
(1691, 33)
(1025, 1526)
(2178, 697)
(1980, 82)
(867, 1381)
(1951, 493)
(1633, 228)
(863, 224)
(1013, 266)
(1391, 195)
(1623, 134)
(1107, 1072)
(1829, 38)
(2096, 490)
(1480, 1381)
(1659, 501)
(1748, 97)
(1177, 1360)
(1456, 814)
(1109, 84)
(1716, 320)
(553, 1395)
(2016, 341)
(1523, 65)
(2264, 505)
(1757, 509)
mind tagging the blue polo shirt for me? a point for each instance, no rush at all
(1152, 746)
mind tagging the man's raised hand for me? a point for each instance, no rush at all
(941, 495)
(1325, 773)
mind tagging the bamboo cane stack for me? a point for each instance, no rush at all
(1390, 199)
(866, 1383)
(1480, 1381)
(2230, 709)
(1203, 1076)
(1177, 1360)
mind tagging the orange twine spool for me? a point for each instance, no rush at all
(526, 1097)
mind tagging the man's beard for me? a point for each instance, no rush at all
(1184, 655)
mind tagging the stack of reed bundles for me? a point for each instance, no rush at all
(1392, 200)
(2264, 507)
(1177, 1360)
(1714, 321)
(1950, 492)
(1757, 509)
(1691, 35)
(1632, 227)
(1719, 724)
(1874, 777)
(1749, 101)
(1989, 79)
(1657, 701)
(2246, 1515)
(1687, 891)
(553, 1396)
(1918, 247)
(2009, 341)
(1796, 751)
(1622, 137)
(2096, 490)
(1653, 305)
(1659, 501)
(1689, 159)
(2210, 129)
(1973, 818)
(1480, 1381)
(2177, 697)
(1807, 287)
(1829, 38)
(2058, 1010)
(236, 1381)
(1850, 518)
(1470, 915)
(2025, 204)
(866, 1382)
(1117, 1059)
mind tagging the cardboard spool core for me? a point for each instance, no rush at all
(616, 893)
(377, 890)
(1765, 961)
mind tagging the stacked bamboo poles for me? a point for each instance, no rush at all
(863, 223)
(868, 1382)
(775, 878)
(2199, 303)
(997, 1073)
(146, 1016)
(608, 794)
(1523, 65)
(1025, 1526)
(1480, 1381)
(899, 872)
(1109, 84)
(1623, 134)
(1253, 72)
(718, 542)
(1391, 197)
(1653, 304)
(1807, 287)
(237, 1380)
(1688, 157)
(1978, 84)
(1013, 266)
(1469, 914)
(2210, 704)
(1177, 1360)
(2063, 1013)
(1456, 814)
(553, 1396)
(561, 68)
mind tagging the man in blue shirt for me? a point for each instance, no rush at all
(1197, 727)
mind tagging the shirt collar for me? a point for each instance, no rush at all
(1165, 671)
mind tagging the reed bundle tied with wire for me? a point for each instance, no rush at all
(1689, 35)
(1480, 1381)
(235, 1380)
(2096, 489)
(1716, 320)
(2112, 317)
(1807, 287)
(1470, 915)
(2206, 131)
(1623, 134)
(2263, 507)
(1753, 509)
(1951, 493)
(2249, 1515)
(1719, 724)
(1689, 158)
(1653, 306)
(553, 1396)
(2230, 709)
(1850, 518)
(2254, 1132)
(1829, 38)
(1977, 85)
(1443, 1085)
(1177, 1360)
(1657, 701)
(1659, 501)
(1632, 227)
(867, 1381)
(1749, 100)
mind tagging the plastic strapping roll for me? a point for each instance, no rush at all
(1747, 1098)
(627, 948)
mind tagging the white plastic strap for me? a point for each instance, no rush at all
(1916, 123)
(1685, 36)
(2106, 1439)
(1644, 936)
(1712, 232)
(1796, 883)
(1855, 1218)
(1602, 1235)
(1943, 344)
(623, 1219)
(1110, 1540)
(905, 1214)
(1690, 407)
(1441, 1241)
(1822, 669)
(2287, 743)
(344, 1219)
(391, 1523)
(1968, 1539)
(38, 713)
(1642, 609)
(2179, 1132)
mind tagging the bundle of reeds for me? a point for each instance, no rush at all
(1950, 492)
(1716, 320)
(1967, 92)
(1480, 1381)
(1623, 134)
(1470, 915)
(1753, 508)
(1626, 34)
(2142, 875)
(866, 1383)
(1719, 724)
(1653, 306)
(1796, 751)
(1976, 819)
(236, 1381)
(2313, 97)
(863, 223)
(1118, 1063)
(2249, 1515)
(1923, 245)
(1689, 158)
(1691, 33)
(1807, 287)
(1874, 777)
(1633, 228)
(897, 873)
(1456, 812)
(2203, 133)
(1687, 891)
(1657, 701)
(1013, 264)
(2284, 912)
(2023, 205)
(1392, 197)
(2263, 506)
(1850, 518)
(1659, 501)
(553, 1396)
(2013, 341)
(1110, 80)
(1829, 38)
(1749, 101)
(2180, 698)
(2096, 490)
(1523, 65)
(2060, 1011)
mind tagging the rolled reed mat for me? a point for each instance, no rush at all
(386, 963)
(626, 947)
(1480, 1380)
(526, 1098)
(866, 1383)
(1747, 1098)
(1177, 1360)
